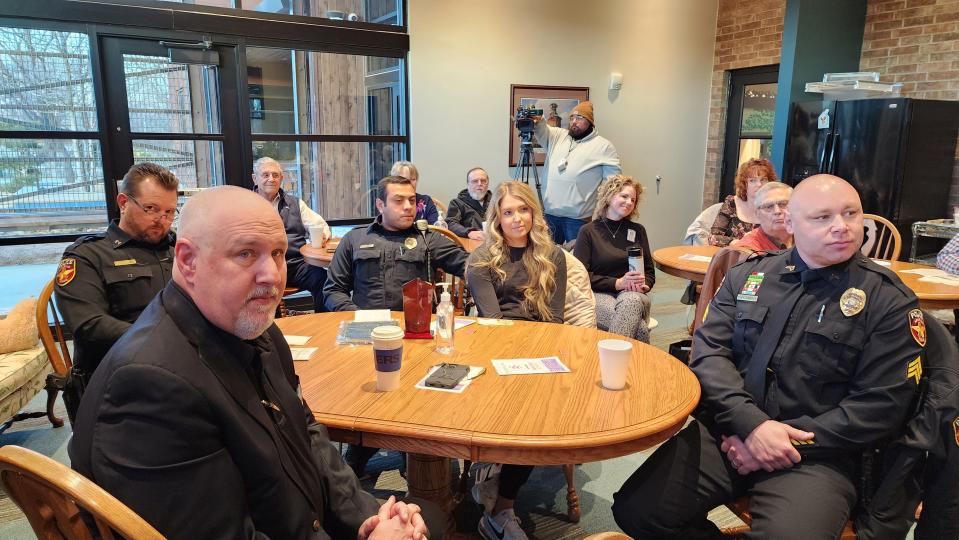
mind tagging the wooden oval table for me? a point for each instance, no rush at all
(320, 256)
(676, 261)
(520, 419)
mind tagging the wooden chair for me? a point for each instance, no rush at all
(886, 243)
(457, 286)
(56, 348)
(440, 206)
(51, 495)
(609, 536)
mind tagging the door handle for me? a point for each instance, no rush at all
(825, 150)
(832, 153)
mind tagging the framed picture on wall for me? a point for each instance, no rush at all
(555, 101)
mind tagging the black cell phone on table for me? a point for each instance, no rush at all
(447, 376)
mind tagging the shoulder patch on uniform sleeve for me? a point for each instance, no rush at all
(66, 271)
(917, 326)
(955, 429)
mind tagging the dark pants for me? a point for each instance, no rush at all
(564, 229)
(671, 493)
(302, 275)
(511, 478)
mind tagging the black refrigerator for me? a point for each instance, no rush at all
(898, 153)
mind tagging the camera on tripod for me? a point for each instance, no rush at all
(524, 120)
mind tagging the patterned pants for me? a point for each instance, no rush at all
(626, 314)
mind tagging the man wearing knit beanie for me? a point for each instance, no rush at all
(577, 161)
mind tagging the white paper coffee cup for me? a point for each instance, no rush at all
(614, 356)
(316, 236)
(387, 356)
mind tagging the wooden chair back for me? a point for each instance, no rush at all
(887, 243)
(51, 495)
(52, 340)
(457, 286)
(439, 205)
(722, 261)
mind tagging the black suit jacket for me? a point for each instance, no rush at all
(173, 426)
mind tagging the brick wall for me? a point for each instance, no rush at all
(748, 34)
(916, 42)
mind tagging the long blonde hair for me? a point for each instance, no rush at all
(536, 260)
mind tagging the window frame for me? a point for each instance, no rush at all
(150, 19)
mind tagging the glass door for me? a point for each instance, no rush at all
(749, 120)
(173, 103)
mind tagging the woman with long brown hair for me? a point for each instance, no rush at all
(518, 273)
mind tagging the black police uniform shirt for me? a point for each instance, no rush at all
(103, 283)
(371, 264)
(846, 373)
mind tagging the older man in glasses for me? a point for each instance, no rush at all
(771, 201)
(105, 280)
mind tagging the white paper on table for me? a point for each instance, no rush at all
(296, 340)
(458, 389)
(942, 280)
(458, 323)
(695, 258)
(932, 272)
(881, 262)
(528, 366)
(302, 353)
(494, 322)
(371, 315)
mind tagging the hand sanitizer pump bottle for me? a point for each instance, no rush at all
(445, 319)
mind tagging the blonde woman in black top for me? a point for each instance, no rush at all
(518, 273)
(622, 302)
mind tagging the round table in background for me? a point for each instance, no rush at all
(671, 260)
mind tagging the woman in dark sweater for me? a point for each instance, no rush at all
(518, 273)
(622, 303)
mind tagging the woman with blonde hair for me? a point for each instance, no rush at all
(622, 302)
(517, 273)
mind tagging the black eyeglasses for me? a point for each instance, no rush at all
(154, 211)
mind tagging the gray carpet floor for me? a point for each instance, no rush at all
(541, 504)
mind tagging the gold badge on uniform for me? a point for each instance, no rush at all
(125, 262)
(66, 271)
(917, 325)
(410, 243)
(852, 301)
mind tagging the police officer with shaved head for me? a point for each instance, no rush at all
(807, 358)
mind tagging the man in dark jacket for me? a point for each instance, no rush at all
(467, 211)
(298, 221)
(194, 418)
(806, 358)
(105, 280)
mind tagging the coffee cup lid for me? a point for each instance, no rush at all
(387, 332)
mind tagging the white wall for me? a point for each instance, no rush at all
(464, 56)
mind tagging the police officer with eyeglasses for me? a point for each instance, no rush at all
(105, 280)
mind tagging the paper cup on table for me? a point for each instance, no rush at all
(387, 356)
(614, 355)
(316, 236)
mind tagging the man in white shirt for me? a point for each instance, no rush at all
(577, 161)
(298, 219)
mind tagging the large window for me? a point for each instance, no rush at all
(371, 11)
(51, 174)
(335, 123)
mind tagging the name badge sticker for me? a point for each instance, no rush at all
(630, 235)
